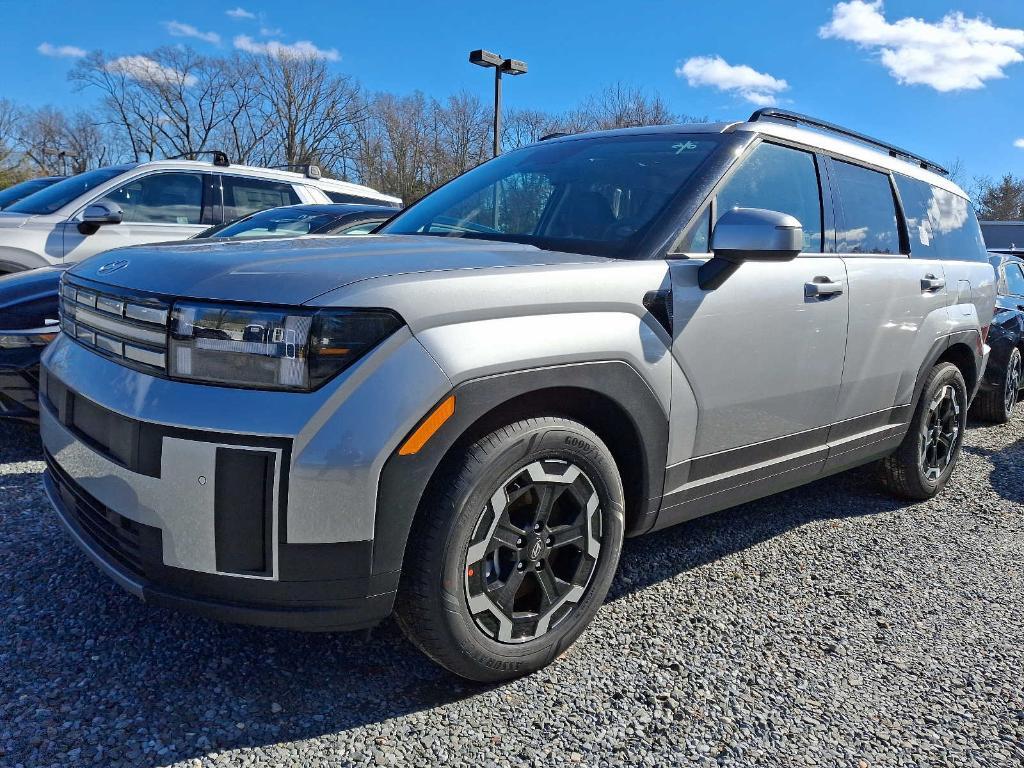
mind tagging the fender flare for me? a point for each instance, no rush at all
(969, 338)
(19, 260)
(404, 479)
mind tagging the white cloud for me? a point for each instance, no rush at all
(303, 49)
(61, 51)
(952, 54)
(1019, 143)
(145, 69)
(240, 13)
(271, 31)
(177, 29)
(756, 87)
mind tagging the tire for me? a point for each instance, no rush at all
(999, 404)
(921, 466)
(460, 550)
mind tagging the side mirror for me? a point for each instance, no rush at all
(749, 234)
(98, 215)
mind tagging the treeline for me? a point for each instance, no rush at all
(277, 109)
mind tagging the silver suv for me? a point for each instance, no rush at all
(159, 201)
(460, 418)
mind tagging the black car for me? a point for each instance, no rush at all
(12, 194)
(28, 322)
(28, 300)
(297, 220)
(1000, 390)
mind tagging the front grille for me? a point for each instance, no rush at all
(129, 329)
(128, 543)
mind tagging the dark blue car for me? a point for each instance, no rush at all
(1000, 390)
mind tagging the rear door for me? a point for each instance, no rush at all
(762, 354)
(898, 298)
(246, 194)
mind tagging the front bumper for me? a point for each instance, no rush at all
(19, 384)
(270, 523)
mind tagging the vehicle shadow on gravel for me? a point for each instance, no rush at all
(1007, 476)
(663, 555)
(19, 442)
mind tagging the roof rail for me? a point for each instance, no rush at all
(220, 158)
(771, 113)
(309, 170)
(555, 135)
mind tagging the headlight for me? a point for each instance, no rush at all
(269, 348)
(38, 337)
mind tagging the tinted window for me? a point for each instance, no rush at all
(941, 225)
(1015, 279)
(596, 195)
(243, 195)
(869, 211)
(344, 197)
(778, 179)
(23, 190)
(363, 228)
(60, 194)
(697, 239)
(161, 198)
(278, 222)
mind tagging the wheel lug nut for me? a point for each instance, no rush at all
(537, 527)
(549, 541)
(519, 542)
(520, 566)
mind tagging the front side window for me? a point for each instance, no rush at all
(362, 228)
(56, 196)
(941, 225)
(1015, 279)
(869, 211)
(778, 179)
(161, 198)
(598, 195)
(244, 195)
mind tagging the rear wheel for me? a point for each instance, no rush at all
(921, 466)
(513, 552)
(1000, 403)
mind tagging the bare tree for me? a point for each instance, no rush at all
(310, 115)
(10, 158)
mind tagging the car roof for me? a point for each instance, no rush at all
(271, 173)
(338, 209)
(827, 142)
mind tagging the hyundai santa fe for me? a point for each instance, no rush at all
(459, 418)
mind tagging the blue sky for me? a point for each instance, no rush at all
(946, 86)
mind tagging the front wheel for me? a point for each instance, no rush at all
(513, 550)
(999, 404)
(921, 466)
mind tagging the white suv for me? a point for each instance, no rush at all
(152, 202)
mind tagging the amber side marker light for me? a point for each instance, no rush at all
(426, 430)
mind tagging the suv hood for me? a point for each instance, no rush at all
(287, 271)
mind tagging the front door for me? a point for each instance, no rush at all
(158, 207)
(762, 353)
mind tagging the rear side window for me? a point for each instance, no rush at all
(778, 179)
(161, 198)
(941, 225)
(869, 223)
(1015, 279)
(344, 197)
(243, 195)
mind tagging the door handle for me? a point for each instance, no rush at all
(931, 283)
(822, 288)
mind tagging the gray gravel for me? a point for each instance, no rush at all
(826, 626)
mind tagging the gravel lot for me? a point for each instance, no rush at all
(826, 626)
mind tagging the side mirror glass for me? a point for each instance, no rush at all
(98, 215)
(750, 234)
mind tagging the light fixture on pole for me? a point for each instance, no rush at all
(500, 65)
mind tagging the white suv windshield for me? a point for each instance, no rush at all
(595, 195)
(55, 197)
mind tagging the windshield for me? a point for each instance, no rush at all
(24, 189)
(56, 196)
(275, 222)
(596, 195)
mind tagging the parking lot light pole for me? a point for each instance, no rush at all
(508, 66)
